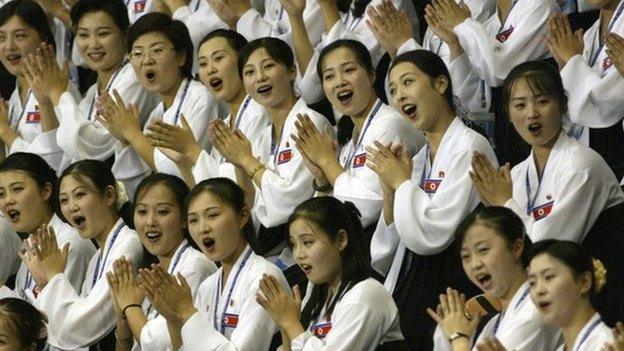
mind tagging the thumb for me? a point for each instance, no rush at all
(65, 251)
(65, 68)
(297, 293)
(184, 122)
(579, 35)
(183, 281)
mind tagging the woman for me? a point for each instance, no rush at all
(161, 54)
(347, 74)
(425, 199)
(160, 223)
(28, 123)
(90, 200)
(100, 28)
(277, 181)
(346, 308)
(22, 326)
(218, 56)
(220, 223)
(592, 80)
(28, 199)
(493, 252)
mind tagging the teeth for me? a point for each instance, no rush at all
(153, 235)
(208, 242)
(409, 109)
(345, 95)
(264, 89)
(13, 214)
(215, 82)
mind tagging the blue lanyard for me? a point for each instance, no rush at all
(177, 114)
(197, 5)
(229, 296)
(281, 13)
(531, 201)
(594, 54)
(98, 271)
(587, 333)
(21, 114)
(108, 88)
(482, 87)
(355, 22)
(172, 270)
(500, 315)
(363, 133)
(274, 146)
(503, 25)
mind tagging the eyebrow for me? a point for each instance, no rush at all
(157, 204)
(149, 46)
(341, 65)
(203, 210)
(96, 28)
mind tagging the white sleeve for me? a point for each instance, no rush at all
(129, 167)
(43, 145)
(425, 224)
(493, 59)
(466, 83)
(383, 245)
(10, 244)
(80, 253)
(200, 22)
(409, 45)
(595, 101)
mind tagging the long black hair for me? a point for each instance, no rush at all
(331, 216)
(116, 9)
(28, 322)
(30, 13)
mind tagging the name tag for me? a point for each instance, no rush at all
(359, 160)
(431, 185)
(230, 320)
(284, 156)
(139, 6)
(321, 330)
(542, 211)
(504, 35)
(33, 117)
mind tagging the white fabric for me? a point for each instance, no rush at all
(598, 336)
(576, 180)
(358, 183)
(255, 327)
(81, 317)
(363, 318)
(10, 244)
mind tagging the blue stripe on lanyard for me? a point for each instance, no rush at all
(281, 13)
(424, 176)
(500, 315)
(177, 114)
(483, 100)
(127, 2)
(274, 146)
(439, 46)
(356, 21)
(361, 138)
(229, 296)
(594, 55)
(197, 5)
(531, 202)
(21, 114)
(588, 333)
(171, 270)
(98, 271)
(503, 25)
(108, 88)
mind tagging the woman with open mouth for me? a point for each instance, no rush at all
(426, 197)
(563, 187)
(225, 314)
(92, 202)
(218, 58)
(28, 202)
(346, 309)
(101, 28)
(493, 253)
(161, 226)
(161, 54)
(347, 73)
(28, 123)
(278, 180)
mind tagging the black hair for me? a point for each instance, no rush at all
(99, 173)
(178, 188)
(234, 39)
(541, 77)
(28, 322)
(174, 30)
(331, 216)
(230, 194)
(36, 168)
(502, 220)
(276, 48)
(575, 257)
(363, 58)
(32, 14)
(430, 64)
(116, 9)
(359, 6)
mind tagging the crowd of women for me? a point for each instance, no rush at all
(311, 175)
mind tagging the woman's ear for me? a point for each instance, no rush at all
(517, 249)
(181, 58)
(586, 282)
(342, 239)
(110, 195)
(46, 191)
(245, 217)
(440, 84)
(292, 74)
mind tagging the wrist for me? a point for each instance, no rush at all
(193, 152)
(186, 314)
(292, 328)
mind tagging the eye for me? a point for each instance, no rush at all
(531, 282)
(465, 257)
(218, 58)
(392, 91)
(140, 212)
(105, 33)
(80, 194)
(18, 189)
(213, 215)
(82, 35)
(549, 277)
(192, 220)
(484, 250)
(407, 82)
(349, 69)
(519, 105)
(163, 212)
(202, 64)
(248, 72)
(21, 36)
(328, 76)
(63, 200)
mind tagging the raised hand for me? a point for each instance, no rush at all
(45, 78)
(232, 144)
(562, 42)
(449, 13)
(229, 11)
(494, 186)
(452, 318)
(615, 50)
(391, 27)
(123, 284)
(120, 120)
(49, 259)
(283, 307)
(318, 147)
(391, 163)
(178, 139)
(170, 297)
(294, 8)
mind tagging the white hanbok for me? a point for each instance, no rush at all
(11, 244)
(593, 336)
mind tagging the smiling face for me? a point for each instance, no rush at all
(158, 220)
(488, 260)
(83, 206)
(156, 63)
(555, 290)
(218, 69)
(99, 41)
(216, 227)
(17, 41)
(317, 255)
(23, 202)
(536, 115)
(346, 83)
(268, 81)
(416, 96)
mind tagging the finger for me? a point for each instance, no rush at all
(297, 294)
(434, 316)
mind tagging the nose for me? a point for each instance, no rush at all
(8, 43)
(539, 288)
(533, 110)
(260, 75)
(399, 96)
(340, 80)
(475, 262)
(93, 41)
(298, 253)
(150, 218)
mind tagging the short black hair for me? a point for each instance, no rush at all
(116, 9)
(32, 14)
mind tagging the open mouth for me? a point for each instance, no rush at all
(409, 110)
(96, 56)
(150, 75)
(215, 83)
(484, 279)
(14, 59)
(13, 215)
(345, 96)
(153, 236)
(208, 243)
(306, 268)
(535, 128)
(543, 305)
(265, 90)
(79, 221)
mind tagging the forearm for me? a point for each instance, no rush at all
(49, 121)
(303, 46)
(136, 320)
(186, 169)
(246, 184)
(7, 136)
(252, 167)
(388, 207)
(142, 147)
(123, 336)
(456, 50)
(332, 170)
(331, 14)
(175, 333)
